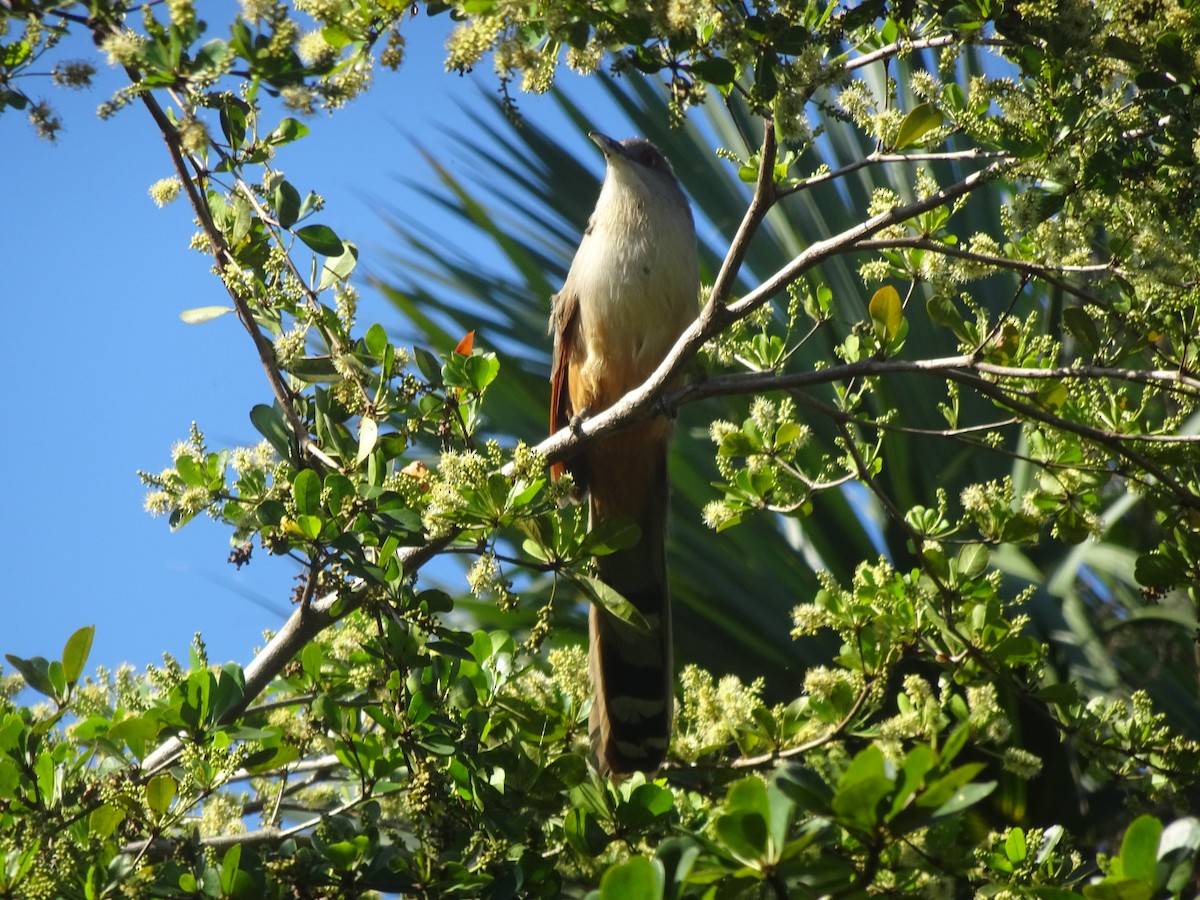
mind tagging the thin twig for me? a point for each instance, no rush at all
(878, 158)
(1114, 441)
(224, 258)
(751, 762)
(1048, 273)
(760, 382)
(760, 204)
(906, 46)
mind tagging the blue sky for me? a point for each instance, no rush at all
(103, 376)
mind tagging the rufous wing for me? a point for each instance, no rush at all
(564, 323)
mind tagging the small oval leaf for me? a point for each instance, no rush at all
(921, 120)
(306, 491)
(368, 434)
(160, 791)
(75, 652)
(201, 314)
(321, 239)
(886, 311)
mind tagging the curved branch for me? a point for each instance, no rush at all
(878, 159)
(1046, 273)
(752, 762)
(760, 204)
(906, 46)
(224, 257)
(303, 625)
(759, 382)
(1112, 440)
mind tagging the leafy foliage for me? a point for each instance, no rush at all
(949, 483)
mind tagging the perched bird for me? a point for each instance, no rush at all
(632, 289)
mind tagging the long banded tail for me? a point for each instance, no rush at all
(631, 669)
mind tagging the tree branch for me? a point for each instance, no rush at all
(303, 625)
(760, 204)
(760, 382)
(302, 444)
(765, 759)
(1112, 440)
(1047, 273)
(906, 46)
(878, 158)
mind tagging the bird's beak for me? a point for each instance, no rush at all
(607, 145)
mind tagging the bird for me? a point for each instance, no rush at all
(631, 291)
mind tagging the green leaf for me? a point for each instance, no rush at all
(1063, 693)
(287, 204)
(646, 803)
(321, 239)
(202, 314)
(966, 796)
(482, 369)
(1139, 848)
(287, 131)
(766, 79)
(1014, 845)
(230, 690)
(610, 535)
(1177, 849)
(337, 489)
(954, 743)
(605, 597)
(15, 53)
(941, 309)
(1082, 326)
(211, 54)
(160, 791)
(678, 855)
(233, 123)
(58, 679)
(343, 854)
(1157, 570)
(306, 491)
(35, 671)
(944, 788)
(886, 312)
(921, 120)
(236, 882)
(474, 372)
(368, 434)
(337, 269)
(861, 787)
(916, 765)
(584, 833)
(804, 787)
(720, 72)
(376, 340)
(189, 470)
(75, 652)
(743, 828)
(857, 803)
(429, 366)
(1118, 889)
(136, 731)
(310, 526)
(972, 560)
(637, 879)
(103, 820)
(269, 422)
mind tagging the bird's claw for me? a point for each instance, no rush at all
(576, 423)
